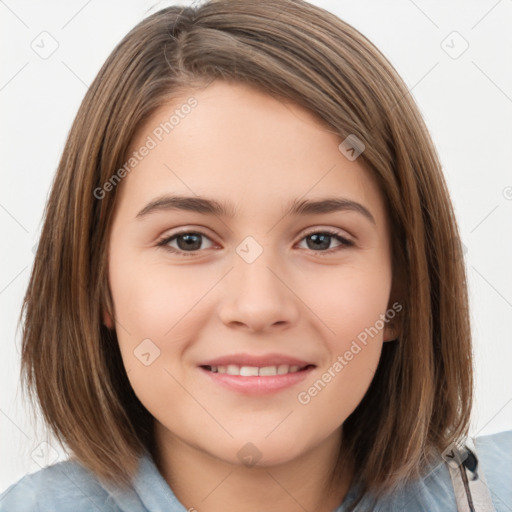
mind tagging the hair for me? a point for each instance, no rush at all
(420, 398)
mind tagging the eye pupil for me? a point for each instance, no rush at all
(324, 240)
(192, 241)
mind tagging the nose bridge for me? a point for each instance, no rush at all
(256, 278)
(257, 296)
(253, 276)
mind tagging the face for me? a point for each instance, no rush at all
(215, 309)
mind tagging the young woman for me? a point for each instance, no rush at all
(249, 292)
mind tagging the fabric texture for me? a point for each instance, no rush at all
(68, 486)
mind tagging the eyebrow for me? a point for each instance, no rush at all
(208, 206)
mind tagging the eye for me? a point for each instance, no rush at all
(187, 241)
(190, 242)
(320, 241)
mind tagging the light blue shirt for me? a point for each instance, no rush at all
(68, 486)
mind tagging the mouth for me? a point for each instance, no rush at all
(257, 371)
(256, 380)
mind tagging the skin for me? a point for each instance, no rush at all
(258, 153)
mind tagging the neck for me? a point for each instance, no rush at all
(203, 482)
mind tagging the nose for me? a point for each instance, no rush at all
(258, 297)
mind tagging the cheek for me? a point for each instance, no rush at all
(150, 298)
(158, 311)
(153, 308)
(350, 302)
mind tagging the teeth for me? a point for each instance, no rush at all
(282, 368)
(253, 371)
(233, 369)
(268, 370)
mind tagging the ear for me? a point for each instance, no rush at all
(390, 332)
(107, 319)
(394, 314)
(394, 320)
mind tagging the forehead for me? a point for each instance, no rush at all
(243, 147)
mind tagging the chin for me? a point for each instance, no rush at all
(258, 451)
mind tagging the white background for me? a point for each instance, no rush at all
(466, 102)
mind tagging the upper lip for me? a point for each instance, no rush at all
(256, 360)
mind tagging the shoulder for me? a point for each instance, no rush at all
(435, 492)
(431, 493)
(66, 485)
(494, 453)
(496, 445)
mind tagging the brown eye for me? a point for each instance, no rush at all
(187, 242)
(320, 241)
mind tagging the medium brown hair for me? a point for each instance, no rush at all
(421, 395)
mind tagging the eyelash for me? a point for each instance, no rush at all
(345, 243)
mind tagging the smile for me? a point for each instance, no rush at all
(255, 371)
(255, 380)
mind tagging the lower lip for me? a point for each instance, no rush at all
(256, 385)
